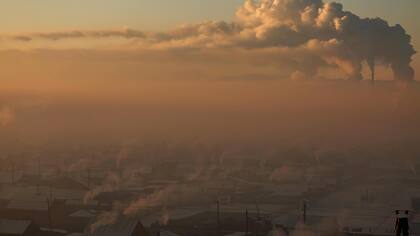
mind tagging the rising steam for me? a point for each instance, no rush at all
(323, 32)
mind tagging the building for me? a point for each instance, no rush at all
(35, 209)
(167, 233)
(123, 227)
(18, 227)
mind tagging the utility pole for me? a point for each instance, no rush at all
(51, 194)
(367, 196)
(50, 203)
(258, 209)
(13, 173)
(88, 179)
(218, 218)
(257, 220)
(304, 211)
(39, 175)
(246, 222)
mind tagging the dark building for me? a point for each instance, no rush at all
(123, 227)
(18, 227)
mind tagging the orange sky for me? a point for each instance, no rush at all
(206, 81)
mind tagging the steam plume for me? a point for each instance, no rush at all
(111, 183)
(339, 37)
(165, 217)
(106, 218)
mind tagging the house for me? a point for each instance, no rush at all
(83, 214)
(167, 233)
(76, 221)
(65, 182)
(107, 199)
(206, 224)
(237, 234)
(33, 209)
(18, 227)
(123, 227)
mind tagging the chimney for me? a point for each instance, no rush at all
(372, 65)
(373, 73)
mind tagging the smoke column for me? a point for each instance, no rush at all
(338, 37)
(309, 33)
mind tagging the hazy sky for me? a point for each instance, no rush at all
(48, 15)
(76, 92)
(52, 14)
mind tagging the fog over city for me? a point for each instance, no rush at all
(297, 117)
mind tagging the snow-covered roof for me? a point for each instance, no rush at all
(14, 226)
(82, 214)
(75, 234)
(236, 234)
(30, 192)
(32, 205)
(120, 228)
(80, 202)
(167, 233)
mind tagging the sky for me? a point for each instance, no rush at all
(253, 81)
(53, 15)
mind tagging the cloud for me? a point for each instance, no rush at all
(74, 34)
(322, 30)
(311, 33)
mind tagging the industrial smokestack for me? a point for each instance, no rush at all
(372, 69)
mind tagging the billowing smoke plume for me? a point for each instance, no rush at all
(310, 33)
(324, 32)
(111, 183)
(165, 217)
(123, 154)
(106, 218)
(170, 195)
